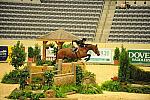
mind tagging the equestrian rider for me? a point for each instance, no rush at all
(79, 43)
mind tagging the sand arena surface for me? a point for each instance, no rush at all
(103, 73)
(5, 89)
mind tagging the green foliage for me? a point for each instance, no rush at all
(118, 87)
(63, 88)
(37, 96)
(18, 55)
(12, 77)
(15, 77)
(116, 54)
(91, 77)
(23, 95)
(45, 87)
(37, 52)
(137, 74)
(68, 88)
(84, 89)
(49, 78)
(23, 75)
(30, 52)
(59, 93)
(90, 89)
(111, 86)
(130, 89)
(36, 80)
(89, 74)
(39, 63)
(79, 75)
(36, 87)
(36, 83)
(66, 46)
(15, 94)
(51, 45)
(55, 49)
(124, 73)
(48, 62)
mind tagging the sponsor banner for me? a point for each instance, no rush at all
(105, 56)
(3, 53)
(49, 54)
(139, 56)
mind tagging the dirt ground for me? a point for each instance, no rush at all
(5, 89)
(103, 73)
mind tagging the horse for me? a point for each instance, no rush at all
(81, 52)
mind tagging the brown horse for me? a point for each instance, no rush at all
(82, 52)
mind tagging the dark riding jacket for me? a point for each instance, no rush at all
(80, 43)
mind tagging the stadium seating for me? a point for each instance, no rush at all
(131, 25)
(31, 20)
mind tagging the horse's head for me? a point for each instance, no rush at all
(95, 49)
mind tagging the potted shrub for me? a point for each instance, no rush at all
(116, 56)
(30, 54)
(18, 55)
(36, 53)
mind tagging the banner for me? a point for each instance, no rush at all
(3, 53)
(50, 54)
(139, 56)
(9, 53)
(105, 56)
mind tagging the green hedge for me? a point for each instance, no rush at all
(11, 78)
(48, 62)
(137, 74)
(79, 75)
(130, 89)
(111, 86)
(118, 87)
(14, 77)
(23, 95)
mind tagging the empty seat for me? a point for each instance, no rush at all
(79, 16)
(132, 25)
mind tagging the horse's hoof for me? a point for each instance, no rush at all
(86, 59)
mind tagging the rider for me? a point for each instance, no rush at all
(79, 43)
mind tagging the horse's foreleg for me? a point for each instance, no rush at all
(88, 57)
